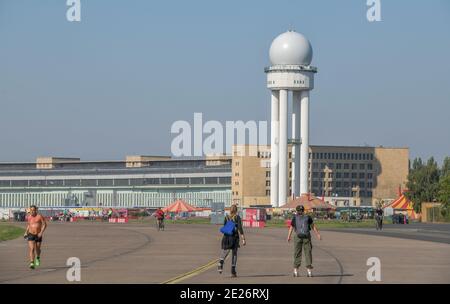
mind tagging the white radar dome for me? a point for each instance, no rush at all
(291, 48)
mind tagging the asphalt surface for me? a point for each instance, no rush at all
(138, 253)
(439, 233)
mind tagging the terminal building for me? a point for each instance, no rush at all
(139, 181)
(342, 175)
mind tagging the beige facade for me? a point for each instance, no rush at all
(217, 159)
(359, 175)
(392, 172)
(51, 162)
(139, 161)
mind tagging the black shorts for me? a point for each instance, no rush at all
(34, 238)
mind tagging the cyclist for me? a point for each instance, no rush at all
(159, 214)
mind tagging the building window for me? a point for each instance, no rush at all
(237, 163)
(371, 158)
(369, 193)
(354, 175)
(267, 173)
(354, 166)
(267, 192)
(322, 174)
(197, 180)
(346, 166)
(322, 165)
(361, 175)
(338, 166)
(346, 184)
(369, 185)
(346, 175)
(315, 174)
(224, 180)
(211, 180)
(369, 175)
(369, 167)
(338, 175)
(181, 180)
(315, 165)
(362, 166)
(362, 185)
(338, 184)
(267, 183)
(331, 166)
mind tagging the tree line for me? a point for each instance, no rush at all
(429, 183)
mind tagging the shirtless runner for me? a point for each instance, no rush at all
(33, 234)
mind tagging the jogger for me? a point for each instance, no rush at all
(33, 234)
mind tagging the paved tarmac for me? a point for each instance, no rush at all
(187, 253)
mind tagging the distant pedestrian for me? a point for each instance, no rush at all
(302, 224)
(231, 239)
(379, 214)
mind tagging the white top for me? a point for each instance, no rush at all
(291, 48)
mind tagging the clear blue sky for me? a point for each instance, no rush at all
(113, 84)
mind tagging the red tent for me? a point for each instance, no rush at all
(179, 206)
(404, 204)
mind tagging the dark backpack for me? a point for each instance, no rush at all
(302, 226)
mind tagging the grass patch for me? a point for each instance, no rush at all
(323, 224)
(191, 220)
(9, 232)
(280, 223)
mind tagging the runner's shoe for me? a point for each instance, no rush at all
(309, 275)
(37, 261)
(295, 273)
(31, 265)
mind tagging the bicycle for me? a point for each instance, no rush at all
(160, 224)
(379, 223)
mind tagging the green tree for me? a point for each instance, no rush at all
(423, 182)
(445, 171)
(444, 191)
(444, 184)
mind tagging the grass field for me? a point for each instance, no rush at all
(9, 232)
(321, 224)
